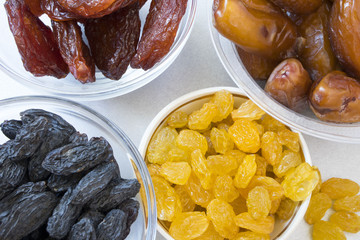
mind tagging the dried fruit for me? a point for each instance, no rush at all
(275, 205)
(177, 119)
(303, 7)
(11, 175)
(34, 6)
(190, 140)
(245, 135)
(188, 205)
(245, 172)
(199, 166)
(318, 206)
(59, 183)
(338, 188)
(94, 216)
(197, 193)
(224, 101)
(289, 160)
(262, 225)
(271, 124)
(202, 118)
(261, 165)
(82, 230)
(160, 145)
(113, 225)
(56, 12)
(248, 110)
(35, 42)
(224, 189)
(210, 234)
(222, 216)
(239, 205)
(178, 155)
(154, 169)
(189, 225)
(238, 156)
(131, 208)
(221, 140)
(176, 172)
(251, 236)
(286, 209)
(318, 186)
(258, 203)
(351, 204)
(271, 149)
(327, 230)
(159, 32)
(10, 128)
(347, 221)
(275, 189)
(289, 139)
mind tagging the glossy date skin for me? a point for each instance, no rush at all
(35, 7)
(56, 12)
(35, 41)
(257, 26)
(317, 55)
(345, 35)
(336, 98)
(299, 6)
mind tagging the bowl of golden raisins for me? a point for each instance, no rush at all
(294, 59)
(223, 168)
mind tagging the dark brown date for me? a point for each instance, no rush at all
(159, 32)
(345, 35)
(35, 42)
(336, 98)
(299, 7)
(113, 40)
(34, 6)
(56, 12)
(257, 26)
(317, 55)
(74, 51)
(289, 84)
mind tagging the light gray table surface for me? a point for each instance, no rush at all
(198, 67)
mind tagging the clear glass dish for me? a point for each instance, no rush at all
(69, 87)
(93, 124)
(305, 122)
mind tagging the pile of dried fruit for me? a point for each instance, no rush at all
(301, 49)
(112, 28)
(225, 173)
(55, 183)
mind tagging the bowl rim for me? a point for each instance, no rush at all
(347, 133)
(127, 144)
(198, 94)
(121, 88)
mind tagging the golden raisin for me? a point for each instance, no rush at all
(154, 169)
(286, 209)
(210, 234)
(176, 172)
(261, 165)
(326, 230)
(262, 225)
(275, 204)
(318, 186)
(190, 140)
(245, 172)
(198, 163)
(245, 135)
(251, 236)
(189, 225)
(211, 149)
(223, 126)
(201, 119)
(338, 188)
(248, 110)
(347, 221)
(177, 119)
(318, 206)
(221, 140)
(239, 205)
(289, 139)
(160, 145)
(289, 159)
(351, 204)
(271, 149)
(239, 157)
(271, 124)
(258, 202)
(187, 203)
(197, 193)
(224, 189)
(221, 164)
(178, 155)
(222, 216)
(275, 189)
(224, 101)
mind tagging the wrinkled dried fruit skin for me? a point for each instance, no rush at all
(82, 230)
(317, 55)
(202, 118)
(299, 7)
(275, 189)
(224, 101)
(221, 164)
(197, 193)
(176, 172)
(59, 183)
(188, 205)
(289, 159)
(224, 189)
(63, 217)
(161, 144)
(177, 119)
(113, 225)
(210, 234)
(289, 84)
(74, 51)
(263, 225)
(271, 124)
(245, 135)
(35, 7)
(245, 172)
(351, 204)
(113, 40)
(189, 225)
(248, 110)
(258, 203)
(159, 32)
(289, 139)
(344, 34)
(131, 208)
(336, 98)
(115, 193)
(93, 182)
(318, 206)
(73, 158)
(347, 221)
(327, 230)
(10, 128)
(56, 12)
(95, 216)
(11, 175)
(286, 209)
(251, 236)
(255, 26)
(39, 233)
(337, 188)
(35, 41)
(271, 149)
(190, 140)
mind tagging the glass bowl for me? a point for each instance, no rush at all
(93, 124)
(305, 122)
(193, 101)
(69, 87)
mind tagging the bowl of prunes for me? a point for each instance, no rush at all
(69, 173)
(297, 60)
(90, 50)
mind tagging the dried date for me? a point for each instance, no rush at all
(57, 12)
(113, 40)
(74, 51)
(82, 230)
(10, 128)
(159, 32)
(34, 6)
(113, 225)
(35, 42)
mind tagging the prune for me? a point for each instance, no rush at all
(159, 32)
(10, 128)
(336, 98)
(59, 183)
(255, 26)
(113, 225)
(113, 40)
(73, 50)
(63, 217)
(82, 230)
(26, 214)
(93, 182)
(11, 175)
(73, 158)
(131, 208)
(35, 42)
(299, 7)
(114, 194)
(35, 7)
(289, 84)
(189, 225)
(344, 34)
(56, 12)
(317, 55)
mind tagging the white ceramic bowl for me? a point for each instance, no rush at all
(69, 87)
(305, 122)
(193, 101)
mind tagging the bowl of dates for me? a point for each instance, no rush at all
(88, 50)
(228, 168)
(295, 59)
(69, 173)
